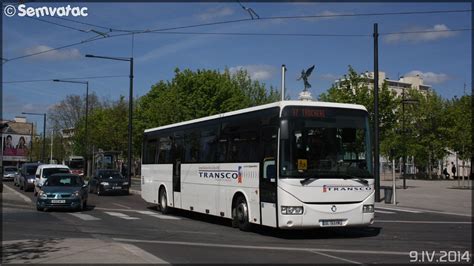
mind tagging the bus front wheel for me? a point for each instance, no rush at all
(164, 202)
(241, 215)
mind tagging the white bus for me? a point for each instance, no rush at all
(290, 164)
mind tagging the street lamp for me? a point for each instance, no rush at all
(86, 170)
(130, 108)
(44, 132)
(405, 101)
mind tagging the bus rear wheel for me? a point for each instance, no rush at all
(164, 202)
(241, 214)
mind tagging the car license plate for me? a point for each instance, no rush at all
(58, 201)
(332, 222)
(117, 187)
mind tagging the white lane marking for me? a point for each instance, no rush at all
(120, 205)
(85, 217)
(334, 257)
(122, 215)
(421, 222)
(379, 211)
(396, 209)
(111, 209)
(23, 197)
(148, 257)
(160, 216)
(378, 252)
(429, 211)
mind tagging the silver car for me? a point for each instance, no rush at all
(9, 173)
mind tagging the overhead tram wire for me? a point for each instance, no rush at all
(74, 78)
(58, 24)
(229, 22)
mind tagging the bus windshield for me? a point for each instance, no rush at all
(325, 143)
(76, 164)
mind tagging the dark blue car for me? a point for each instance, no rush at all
(66, 191)
(26, 180)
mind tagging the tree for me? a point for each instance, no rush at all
(68, 112)
(108, 128)
(194, 94)
(459, 126)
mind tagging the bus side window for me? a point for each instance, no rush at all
(164, 153)
(150, 151)
(208, 145)
(191, 146)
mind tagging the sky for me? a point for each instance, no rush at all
(442, 58)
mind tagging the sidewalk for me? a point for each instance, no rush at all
(437, 195)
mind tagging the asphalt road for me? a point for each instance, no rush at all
(184, 237)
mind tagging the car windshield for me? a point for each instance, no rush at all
(31, 170)
(63, 181)
(47, 172)
(109, 174)
(325, 143)
(10, 169)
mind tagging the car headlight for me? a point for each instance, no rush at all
(75, 194)
(125, 183)
(292, 210)
(368, 208)
(43, 195)
(104, 183)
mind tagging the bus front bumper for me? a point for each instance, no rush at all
(328, 215)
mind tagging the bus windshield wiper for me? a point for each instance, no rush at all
(356, 178)
(308, 180)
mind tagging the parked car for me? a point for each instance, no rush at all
(45, 170)
(63, 190)
(26, 177)
(107, 180)
(9, 173)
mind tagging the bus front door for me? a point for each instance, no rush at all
(177, 184)
(268, 177)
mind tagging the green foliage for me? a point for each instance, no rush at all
(189, 95)
(459, 125)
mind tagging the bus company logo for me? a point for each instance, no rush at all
(331, 188)
(222, 174)
(239, 175)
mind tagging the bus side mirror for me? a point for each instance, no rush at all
(271, 171)
(284, 129)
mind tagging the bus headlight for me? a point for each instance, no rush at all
(292, 210)
(368, 208)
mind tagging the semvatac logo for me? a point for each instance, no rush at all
(62, 11)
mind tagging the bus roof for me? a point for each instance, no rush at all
(280, 104)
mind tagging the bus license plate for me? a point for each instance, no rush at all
(117, 187)
(332, 222)
(58, 201)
